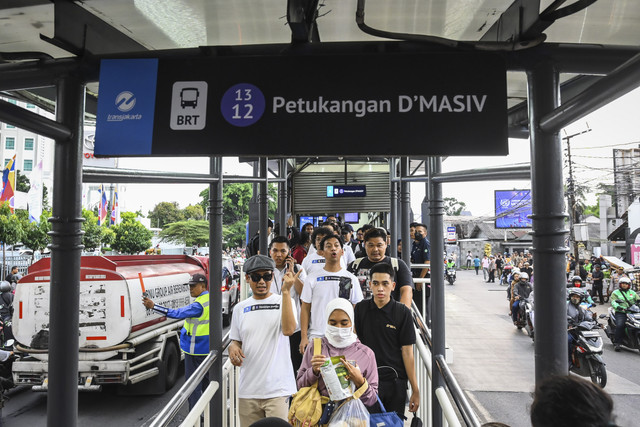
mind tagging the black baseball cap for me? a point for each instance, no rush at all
(198, 278)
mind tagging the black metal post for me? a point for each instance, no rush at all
(393, 217)
(215, 273)
(437, 286)
(263, 202)
(282, 197)
(66, 249)
(405, 211)
(548, 226)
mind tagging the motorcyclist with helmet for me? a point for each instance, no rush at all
(576, 282)
(621, 299)
(6, 300)
(576, 314)
(521, 290)
(514, 278)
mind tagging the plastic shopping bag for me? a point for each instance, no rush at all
(352, 413)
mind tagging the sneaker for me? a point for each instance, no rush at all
(616, 347)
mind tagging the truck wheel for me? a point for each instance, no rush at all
(170, 363)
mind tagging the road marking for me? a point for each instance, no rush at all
(480, 410)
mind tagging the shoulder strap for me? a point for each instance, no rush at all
(625, 298)
(317, 346)
(394, 263)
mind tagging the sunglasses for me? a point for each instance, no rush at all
(255, 277)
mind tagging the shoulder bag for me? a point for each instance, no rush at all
(306, 404)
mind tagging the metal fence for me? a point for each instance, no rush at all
(23, 262)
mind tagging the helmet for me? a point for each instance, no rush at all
(516, 270)
(576, 291)
(524, 276)
(5, 287)
(624, 280)
(575, 279)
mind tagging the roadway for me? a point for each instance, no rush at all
(106, 408)
(494, 362)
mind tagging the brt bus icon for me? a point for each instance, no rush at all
(188, 105)
(189, 97)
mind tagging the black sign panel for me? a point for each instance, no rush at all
(346, 191)
(351, 105)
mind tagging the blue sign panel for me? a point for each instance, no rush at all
(346, 190)
(513, 208)
(126, 107)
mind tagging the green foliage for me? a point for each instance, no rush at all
(35, 236)
(592, 210)
(187, 232)
(108, 236)
(11, 231)
(235, 201)
(92, 231)
(453, 207)
(131, 236)
(165, 213)
(233, 234)
(193, 212)
(22, 182)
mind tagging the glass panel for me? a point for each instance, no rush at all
(10, 143)
(28, 144)
(28, 165)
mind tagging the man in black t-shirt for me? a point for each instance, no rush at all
(375, 244)
(386, 326)
(597, 276)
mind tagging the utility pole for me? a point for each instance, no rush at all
(571, 198)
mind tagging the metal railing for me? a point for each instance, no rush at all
(424, 369)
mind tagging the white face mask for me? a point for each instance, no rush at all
(340, 337)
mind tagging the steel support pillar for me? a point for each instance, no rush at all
(263, 202)
(282, 197)
(405, 215)
(393, 203)
(437, 286)
(548, 226)
(215, 273)
(66, 249)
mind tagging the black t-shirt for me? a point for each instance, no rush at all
(597, 277)
(385, 330)
(499, 263)
(402, 276)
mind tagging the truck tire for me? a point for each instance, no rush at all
(170, 364)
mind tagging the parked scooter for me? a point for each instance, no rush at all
(451, 275)
(631, 327)
(586, 352)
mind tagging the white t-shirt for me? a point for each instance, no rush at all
(322, 287)
(276, 288)
(266, 371)
(314, 262)
(348, 256)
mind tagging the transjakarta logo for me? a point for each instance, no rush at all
(125, 101)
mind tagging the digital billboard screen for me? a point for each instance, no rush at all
(513, 208)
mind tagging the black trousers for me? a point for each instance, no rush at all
(597, 288)
(296, 357)
(393, 394)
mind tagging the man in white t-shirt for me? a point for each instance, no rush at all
(321, 287)
(314, 261)
(280, 253)
(259, 330)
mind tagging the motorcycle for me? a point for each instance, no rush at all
(451, 275)
(525, 316)
(631, 327)
(586, 352)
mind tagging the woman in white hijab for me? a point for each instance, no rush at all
(340, 340)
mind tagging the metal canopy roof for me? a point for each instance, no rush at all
(96, 27)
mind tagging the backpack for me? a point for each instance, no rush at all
(251, 244)
(306, 405)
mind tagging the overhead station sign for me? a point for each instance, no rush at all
(346, 190)
(352, 105)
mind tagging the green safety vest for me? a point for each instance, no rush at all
(197, 330)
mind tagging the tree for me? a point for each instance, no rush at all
(188, 232)
(11, 231)
(453, 207)
(108, 236)
(165, 213)
(193, 212)
(131, 236)
(235, 201)
(233, 234)
(92, 231)
(23, 184)
(36, 235)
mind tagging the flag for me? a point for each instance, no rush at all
(8, 182)
(35, 194)
(102, 210)
(115, 211)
